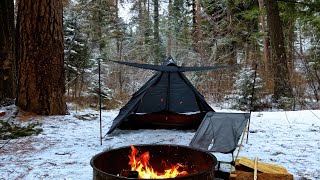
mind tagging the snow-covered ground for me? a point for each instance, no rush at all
(65, 147)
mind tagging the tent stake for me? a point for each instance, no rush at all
(251, 102)
(100, 120)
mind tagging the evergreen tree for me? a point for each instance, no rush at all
(41, 74)
(7, 50)
(76, 51)
(158, 56)
(228, 30)
(312, 64)
(243, 86)
(282, 84)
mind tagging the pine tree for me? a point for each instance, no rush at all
(40, 57)
(244, 90)
(156, 33)
(76, 52)
(7, 50)
(282, 85)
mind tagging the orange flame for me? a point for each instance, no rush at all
(145, 170)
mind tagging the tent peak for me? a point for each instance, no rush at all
(169, 62)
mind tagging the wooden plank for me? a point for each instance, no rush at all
(255, 170)
(233, 176)
(242, 175)
(262, 167)
(250, 163)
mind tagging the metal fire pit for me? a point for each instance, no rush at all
(108, 164)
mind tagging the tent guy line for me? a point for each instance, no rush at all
(165, 68)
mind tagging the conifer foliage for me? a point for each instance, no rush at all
(281, 36)
(248, 88)
(206, 32)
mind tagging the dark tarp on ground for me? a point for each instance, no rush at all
(221, 130)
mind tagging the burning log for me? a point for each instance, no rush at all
(142, 166)
(129, 174)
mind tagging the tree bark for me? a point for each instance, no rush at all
(119, 48)
(196, 31)
(291, 36)
(147, 23)
(194, 22)
(266, 55)
(169, 33)
(41, 75)
(156, 33)
(198, 35)
(7, 50)
(282, 85)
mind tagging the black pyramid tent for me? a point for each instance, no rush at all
(167, 100)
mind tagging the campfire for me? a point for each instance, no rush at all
(145, 171)
(153, 162)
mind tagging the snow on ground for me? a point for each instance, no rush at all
(65, 147)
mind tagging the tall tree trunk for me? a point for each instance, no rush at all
(232, 57)
(194, 25)
(291, 36)
(41, 75)
(7, 50)
(198, 34)
(141, 24)
(119, 39)
(282, 85)
(230, 6)
(266, 54)
(156, 33)
(169, 33)
(147, 24)
(231, 46)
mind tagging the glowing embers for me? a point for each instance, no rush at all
(140, 163)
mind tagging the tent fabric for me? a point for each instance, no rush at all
(220, 131)
(167, 91)
(171, 94)
(132, 104)
(164, 92)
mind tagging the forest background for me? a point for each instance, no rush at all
(45, 61)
